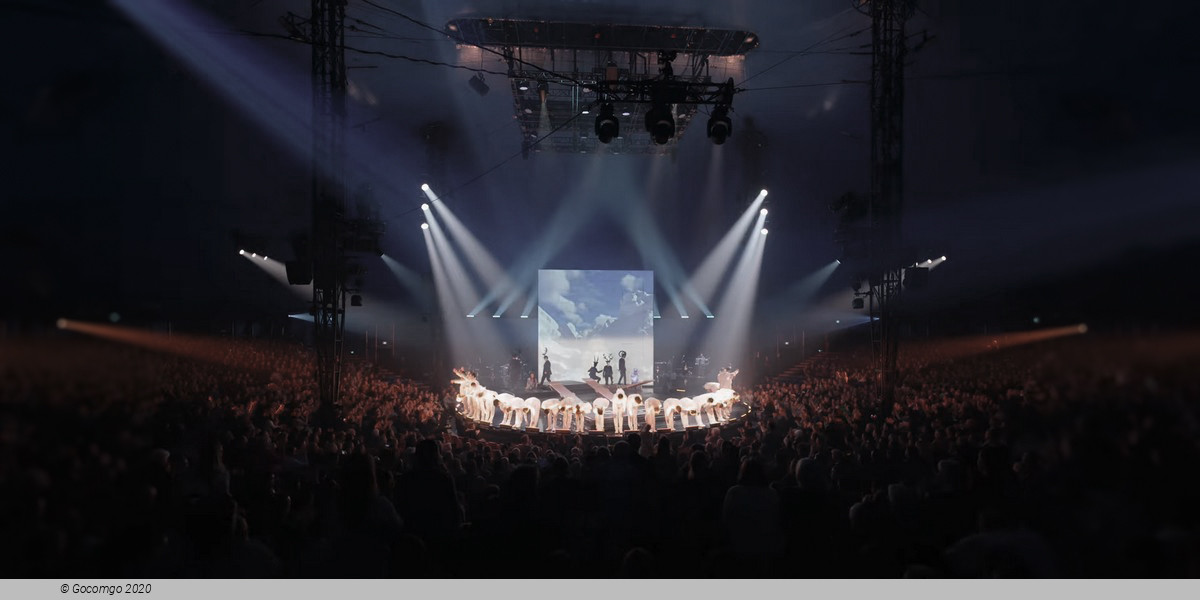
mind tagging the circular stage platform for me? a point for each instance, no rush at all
(571, 408)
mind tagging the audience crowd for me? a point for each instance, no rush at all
(1062, 458)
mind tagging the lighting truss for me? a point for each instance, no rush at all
(582, 66)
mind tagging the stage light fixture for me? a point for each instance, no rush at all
(523, 85)
(253, 255)
(264, 257)
(625, 113)
(660, 124)
(424, 206)
(764, 231)
(763, 212)
(242, 252)
(424, 225)
(355, 300)
(476, 82)
(719, 125)
(943, 257)
(424, 187)
(607, 126)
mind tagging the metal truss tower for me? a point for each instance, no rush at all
(327, 37)
(888, 52)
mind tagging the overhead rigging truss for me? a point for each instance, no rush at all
(560, 72)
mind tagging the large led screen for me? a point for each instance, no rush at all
(587, 319)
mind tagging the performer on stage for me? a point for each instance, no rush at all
(594, 373)
(545, 366)
(608, 370)
(621, 368)
(725, 377)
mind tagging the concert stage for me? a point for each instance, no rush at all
(698, 409)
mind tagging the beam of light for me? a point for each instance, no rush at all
(543, 129)
(275, 95)
(467, 343)
(801, 293)
(572, 213)
(407, 277)
(278, 272)
(814, 318)
(214, 350)
(933, 263)
(711, 204)
(529, 304)
(728, 339)
(642, 229)
(961, 347)
(463, 287)
(713, 268)
(456, 332)
(481, 261)
(303, 317)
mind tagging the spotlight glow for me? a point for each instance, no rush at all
(763, 193)
(264, 257)
(242, 252)
(424, 206)
(424, 187)
(254, 255)
(943, 257)
(424, 225)
(764, 231)
(763, 212)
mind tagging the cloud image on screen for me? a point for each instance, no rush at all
(585, 315)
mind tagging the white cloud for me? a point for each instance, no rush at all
(630, 282)
(552, 289)
(602, 321)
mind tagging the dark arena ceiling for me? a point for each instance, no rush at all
(145, 143)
